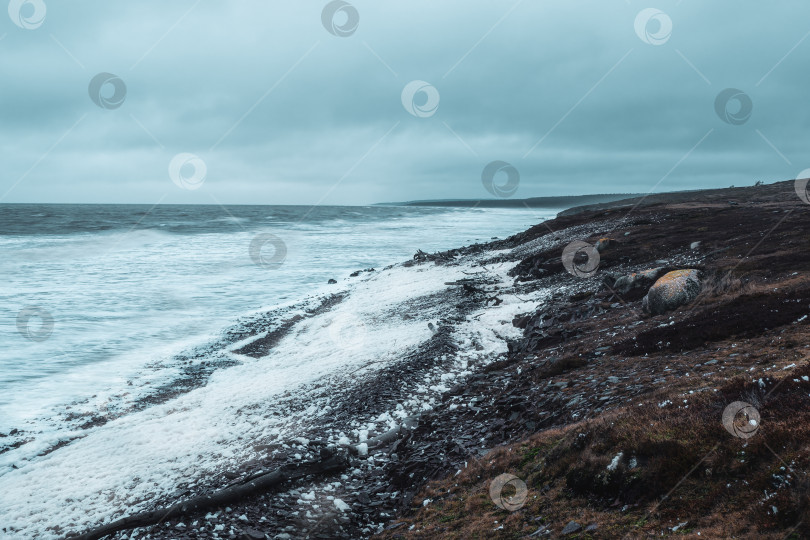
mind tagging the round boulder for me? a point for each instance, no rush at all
(673, 290)
(634, 286)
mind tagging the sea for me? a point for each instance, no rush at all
(96, 296)
(124, 380)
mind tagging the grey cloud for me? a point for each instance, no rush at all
(301, 107)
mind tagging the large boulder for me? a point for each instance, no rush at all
(671, 291)
(634, 286)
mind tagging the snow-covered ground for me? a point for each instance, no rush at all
(127, 464)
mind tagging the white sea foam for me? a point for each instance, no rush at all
(130, 461)
(103, 358)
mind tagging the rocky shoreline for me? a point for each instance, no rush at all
(635, 438)
(584, 368)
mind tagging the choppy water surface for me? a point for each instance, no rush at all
(128, 286)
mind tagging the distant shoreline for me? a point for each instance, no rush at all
(560, 202)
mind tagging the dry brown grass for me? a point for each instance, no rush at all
(679, 464)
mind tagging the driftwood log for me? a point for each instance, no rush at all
(330, 462)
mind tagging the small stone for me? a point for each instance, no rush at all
(604, 243)
(540, 531)
(332, 281)
(253, 534)
(572, 527)
(694, 245)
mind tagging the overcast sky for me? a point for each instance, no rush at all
(283, 104)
